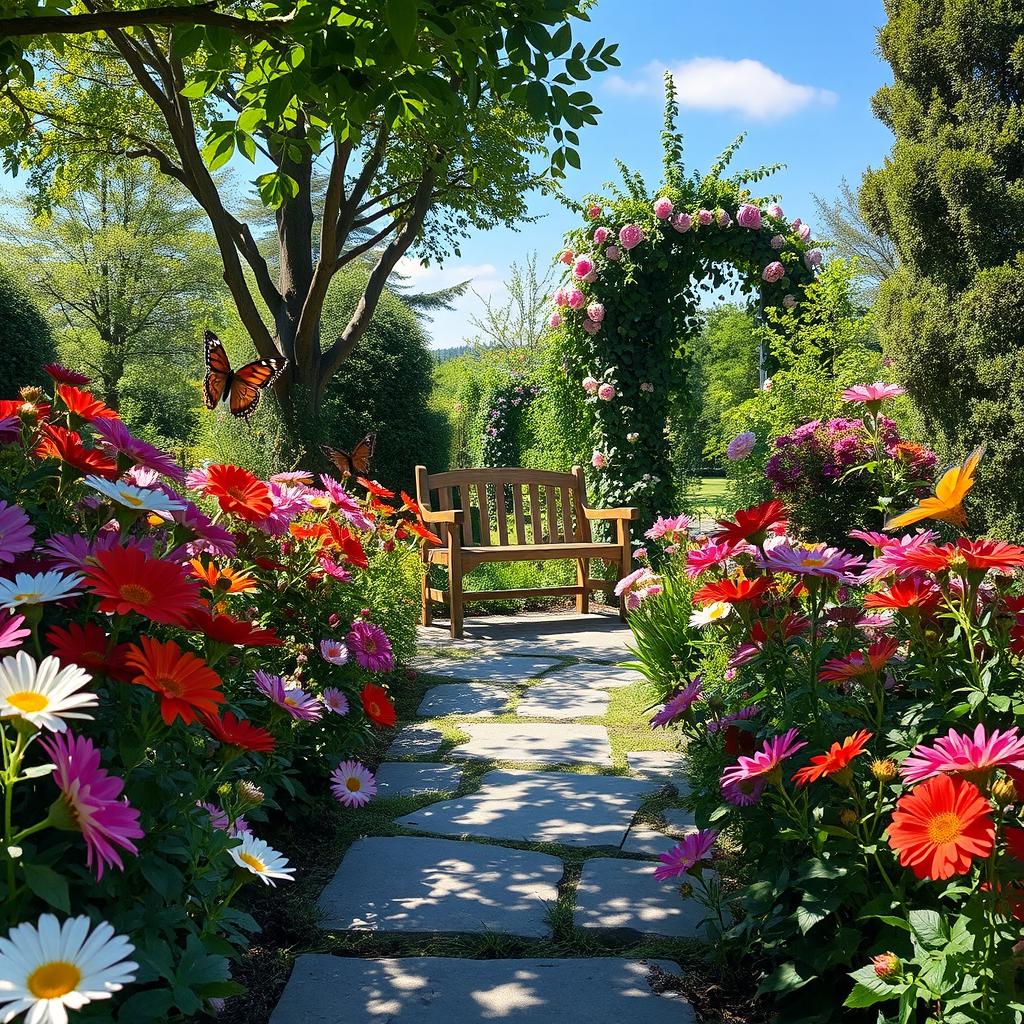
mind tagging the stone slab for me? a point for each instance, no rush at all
(326, 989)
(539, 807)
(622, 898)
(679, 819)
(487, 668)
(464, 699)
(411, 778)
(418, 886)
(593, 676)
(664, 766)
(557, 700)
(415, 741)
(534, 743)
(652, 841)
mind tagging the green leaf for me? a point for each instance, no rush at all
(145, 1006)
(561, 40)
(164, 877)
(202, 84)
(219, 149)
(929, 927)
(402, 21)
(48, 885)
(537, 100)
(787, 977)
(862, 996)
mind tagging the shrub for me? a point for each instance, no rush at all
(27, 341)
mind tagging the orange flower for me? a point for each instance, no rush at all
(55, 442)
(212, 576)
(409, 504)
(836, 762)
(940, 826)
(84, 405)
(349, 544)
(421, 531)
(128, 580)
(859, 663)
(238, 492)
(732, 591)
(751, 523)
(375, 488)
(947, 504)
(309, 531)
(908, 593)
(185, 683)
(377, 705)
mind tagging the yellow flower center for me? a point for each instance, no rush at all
(53, 980)
(813, 563)
(28, 700)
(136, 593)
(130, 499)
(28, 595)
(291, 702)
(352, 784)
(172, 687)
(254, 862)
(944, 828)
(717, 611)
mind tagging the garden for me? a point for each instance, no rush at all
(777, 773)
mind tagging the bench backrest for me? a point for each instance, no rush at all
(510, 506)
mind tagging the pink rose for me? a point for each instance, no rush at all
(749, 216)
(590, 327)
(561, 297)
(590, 278)
(682, 222)
(566, 257)
(704, 217)
(600, 235)
(803, 232)
(663, 208)
(594, 212)
(778, 242)
(590, 385)
(583, 266)
(630, 236)
(576, 298)
(796, 224)
(774, 272)
(724, 220)
(775, 211)
(597, 460)
(595, 311)
(789, 301)
(813, 258)
(555, 321)
(612, 253)
(606, 392)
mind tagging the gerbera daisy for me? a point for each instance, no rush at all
(892, 558)
(714, 612)
(745, 793)
(223, 629)
(37, 589)
(410, 504)
(209, 536)
(766, 761)
(87, 645)
(334, 700)
(186, 684)
(872, 395)
(809, 560)
(696, 847)
(226, 580)
(636, 576)
(711, 554)
(12, 631)
(240, 733)
(335, 571)
(751, 523)
(373, 487)
(15, 532)
(984, 554)
(964, 753)
(43, 694)
(860, 663)
(912, 593)
(91, 802)
(671, 528)
(299, 704)
(370, 646)
(353, 784)
(333, 651)
(263, 861)
(49, 968)
(291, 476)
(423, 533)
(142, 499)
(733, 591)
(128, 580)
(84, 405)
(62, 375)
(679, 704)
(836, 762)
(349, 544)
(378, 706)
(238, 492)
(142, 453)
(940, 826)
(347, 505)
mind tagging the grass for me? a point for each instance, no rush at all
(708, 494)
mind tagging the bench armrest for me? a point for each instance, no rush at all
(612, 513)
(447, 515)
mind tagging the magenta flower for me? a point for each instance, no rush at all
(142, 453)
(630, 235)
(613, 253)
(331, 567)
(893, 559)
(210, 537)
(743, 715)
(872, 394)
(291, 477)
(15, 532)
(765, 761)
(712, 553)
(749, 216)
(774, 272)
(803, 231)
(287, 504)
(601, 235)
(809, 560)
(598, 459)
(297, 703)
(678, 705)
(662, 527)
(743, 794)
(627, 581)
(962, 752)
(583, 266)
(590, 327)
(576, 298)
(219, 820)
(741, 446)
(370, 646)
(663, 208)
(695, 848)
(606, 392)
(90, 801)
(353, 784)
(682, 222)
(724, 220)
(705, 217)
(555, 321)
(347, 505)
(594, 212)
(334, 700)
(11, 631)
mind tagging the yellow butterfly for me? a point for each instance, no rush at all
(950, 492)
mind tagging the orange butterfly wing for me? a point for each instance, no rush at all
(950, 491)
(218, 370)
(248, 384)
(341, 459)
(355, 461)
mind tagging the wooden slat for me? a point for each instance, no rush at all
(552, 510)
(535, 518)
(485, 512)
(444, 498)
(517, 506)
(501, 514)
(500, 595)
(467, 514)
(505, 475)
(568, 533)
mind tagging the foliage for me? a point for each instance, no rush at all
(231, 575)
(521, 320)
(951, 197)
(503, 427)
(27, 341)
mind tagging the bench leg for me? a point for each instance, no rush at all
(625, 563)
(583, 597)
(455, 596)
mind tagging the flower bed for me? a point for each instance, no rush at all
(851, 722)
(184, 655)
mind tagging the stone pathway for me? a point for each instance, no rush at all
(462, 864)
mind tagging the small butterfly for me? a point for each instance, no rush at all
(355, 462)
(950, 491)
(242, 388)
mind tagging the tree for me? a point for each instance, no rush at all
(27, 342)
(951, 197)
(122, 269)
(521, 321)
(423, 115)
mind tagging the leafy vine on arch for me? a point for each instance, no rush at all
(629, 302)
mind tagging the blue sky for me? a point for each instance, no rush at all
(797, 77)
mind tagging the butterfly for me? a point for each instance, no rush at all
(950, 491)
(355, 462)
(243, 387)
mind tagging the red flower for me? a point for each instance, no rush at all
(378, 706)
(88, 646)
(128, 580)
(15, 407)
(57, 442)
(421, 531)
(991, 554)
(186, 684)
(732, 591)
(909, 593)
(835, 762)
(62, 375)
(84, 405)
(928, 557)
(940, 826)
(225, 630)
(238, 492)
(375, 488)
(349, 543)
(309, 531)
(240, 733)
(858, 663)
(410, 505)
(751, 523)
(1014, 842)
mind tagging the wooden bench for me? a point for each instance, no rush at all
(515, 515)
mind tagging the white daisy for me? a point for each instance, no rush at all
(143, 499)
(43, 586)
(713, 612)
(43, 695)
(262, 860)
(49, 968)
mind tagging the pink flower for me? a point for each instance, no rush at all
(595, 312)
(678, 705)
(353, 784)
(606, 392)
(813, 258)
(627, 581)
(640, 554)
(590, 278)
(629, 236)
(705, 217)
(90, 801)
(555, 321)
(333, 651)
(962, 752)
(893, 558)
(663, 208)
(741, 446)
(696, 847)
(331, 567)
(121, 439)
(796, 224)
(743, 794)
(775, 211)
(767, 385)
(584, 265)
(724, 220)
(597, 460)
(590, 385)
(612, 253)
(347, 505)
(682, 222)
(576, 298)
(370, 646)
(765, 761)
(11, 631)
(647, 387)
(868, 394)
(594, 212)
(778, 242)
(789, 302)
(803, 231)
(712, 553)
(601, 235)
(297, 703)
(561, 297)
(774, 272)
(15, 532)
(749, 216)
(590, 327)
(219, 820)
(809, 560)
(662, 527)
(334, 700)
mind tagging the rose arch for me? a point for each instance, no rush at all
(629, 305)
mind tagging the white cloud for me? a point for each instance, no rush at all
(745, 86)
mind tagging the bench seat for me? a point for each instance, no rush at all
(528, 553)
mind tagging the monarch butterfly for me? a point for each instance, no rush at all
(242, 388)
(355, 462)
(950, 491)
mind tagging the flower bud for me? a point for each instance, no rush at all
(686, 890)
(884, 770)
(249, 794)
(31, 394)
(1003, 792)
(848, 818)
(887, 966)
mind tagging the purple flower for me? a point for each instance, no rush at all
(370, 646)
(347, 504)
(695, 848)
(678, 705)
(121, 439)
(813, 258)
(297, 703)
(15, 532)
(741, 446)
(809, 560)
(209, 536)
